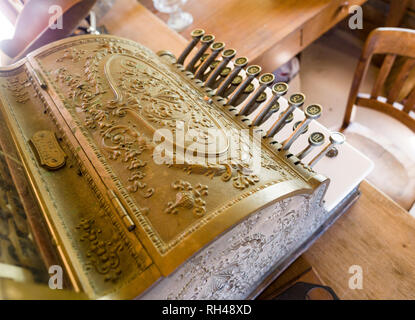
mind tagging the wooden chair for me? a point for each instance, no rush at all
(396, 13)
(393, 43)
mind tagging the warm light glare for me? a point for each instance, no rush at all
(6, 28)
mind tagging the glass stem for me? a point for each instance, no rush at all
(176, 15)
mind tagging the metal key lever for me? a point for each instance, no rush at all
(227, 55)
(216, 48)
(238, 65)
(264, 81)
(336, 138)
(251, 73)
(278, 90)
(312, 112)
(206, 41)
(315, 139)
(296, 100)
(196, 35)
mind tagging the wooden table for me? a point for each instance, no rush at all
(375, 233)
(268, 32)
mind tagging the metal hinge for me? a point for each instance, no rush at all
(128, 222)
(39, 78)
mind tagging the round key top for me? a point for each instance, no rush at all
(253, 70)
(297, 99)
(313, 111)
(238, 64)
(241, 62)
(225, 72)
(266, 79)
(262, 97)
(280, 88)
(206, 41)
(228, 53)
(197, 33)
(251, 73)
(249, 88)
(314, 140)
(258, 94)
(216, 48)
(208, 38)
(336, 139)
(237, 80)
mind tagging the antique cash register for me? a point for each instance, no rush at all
(153, 176)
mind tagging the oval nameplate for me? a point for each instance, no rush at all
(50, 154)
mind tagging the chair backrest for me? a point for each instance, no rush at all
(392, 42)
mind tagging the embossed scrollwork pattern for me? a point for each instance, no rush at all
(102, 255)
(122, 91)
(18, 89)
(188, 197)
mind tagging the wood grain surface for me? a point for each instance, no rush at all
(129, 19)
(268, 32)
(377, 235)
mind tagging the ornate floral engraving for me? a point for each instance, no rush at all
(102, 255)
(243, 181)
(18, 88)
(73, 54)
(143, 93)
(188, 197)
(232, 266)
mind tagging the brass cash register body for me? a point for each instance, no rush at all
(82, 114)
